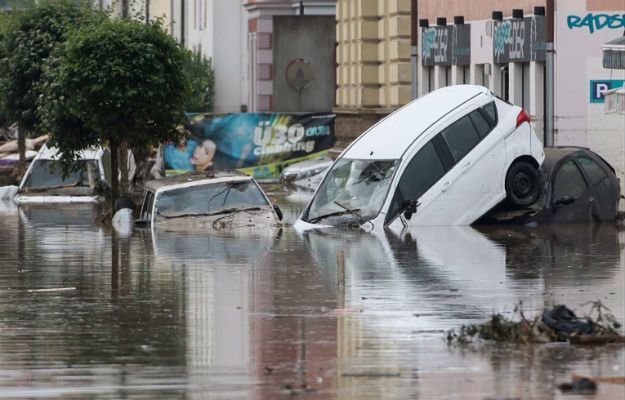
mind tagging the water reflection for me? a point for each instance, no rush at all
(258, 314)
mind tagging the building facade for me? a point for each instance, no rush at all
(373, 62)
(309, 48)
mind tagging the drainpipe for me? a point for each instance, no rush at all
(549, 78)
(414, 39)
(125, 7)
(182, 22)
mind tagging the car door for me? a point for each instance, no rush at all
(473, 184)
(571, 199)
(420, 181)
(604, 192)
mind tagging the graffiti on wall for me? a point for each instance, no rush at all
(595, 22)
(446, 45)
(436, 45)
(519, 40)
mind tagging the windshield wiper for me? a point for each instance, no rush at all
(208, 213)
(334, 214)
(353, 212)
(233, 210)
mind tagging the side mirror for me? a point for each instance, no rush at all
(278, 211)
(410, 207)
(565, 200)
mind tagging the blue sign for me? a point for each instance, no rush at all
(599, 87)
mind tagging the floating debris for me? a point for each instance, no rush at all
(559, 324)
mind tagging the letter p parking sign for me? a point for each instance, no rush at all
(599, 87)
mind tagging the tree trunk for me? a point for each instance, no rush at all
(123, 167)
(21, 148)
(114, 173)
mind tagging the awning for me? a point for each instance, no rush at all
(614, 54)
(614, 101)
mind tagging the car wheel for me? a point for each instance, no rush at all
(522, 184)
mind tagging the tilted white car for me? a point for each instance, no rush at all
(444, 159)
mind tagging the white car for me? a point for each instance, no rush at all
(206, 201)
(444, 159)
(44, 181)
(306, 174)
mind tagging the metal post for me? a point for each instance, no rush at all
(549, 96)
(549, 74)
(414, 38)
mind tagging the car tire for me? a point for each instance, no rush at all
(522, 184)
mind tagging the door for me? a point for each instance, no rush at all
(571, 201)
(473, 184)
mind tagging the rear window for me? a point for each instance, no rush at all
(491, 112)
(569, 181)
(595, 173)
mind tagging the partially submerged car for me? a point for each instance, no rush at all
(45, 180)
(444, 159)
(210, 200)
(577, 186)
(306, 174)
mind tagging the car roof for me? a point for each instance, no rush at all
(554, 154)
(53, 153)
(390, 138)
(192, 178)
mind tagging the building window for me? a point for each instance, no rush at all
(430, 79)
(525, 86)
(200, 15)
(466, 77)
(505, 83)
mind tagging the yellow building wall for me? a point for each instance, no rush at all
(373, 54)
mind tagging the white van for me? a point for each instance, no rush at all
(444, 159)
(44, 181)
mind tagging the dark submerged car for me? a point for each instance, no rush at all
(578, 186)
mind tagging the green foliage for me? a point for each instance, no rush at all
(115, 81)
(31, 34)
(201, 75)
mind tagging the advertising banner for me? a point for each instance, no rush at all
(260, 144)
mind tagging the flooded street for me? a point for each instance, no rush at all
(259, 314)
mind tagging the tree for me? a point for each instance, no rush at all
(120, 82)
(202, 82)
(30, 36)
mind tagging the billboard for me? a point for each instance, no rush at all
(259, 144)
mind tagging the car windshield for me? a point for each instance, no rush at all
(210, 199)
(356, 188)
(48, 174)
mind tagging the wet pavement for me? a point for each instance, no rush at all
(259, 313)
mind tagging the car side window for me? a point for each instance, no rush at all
(423, 171)
(461, 137)
(482, 126)
(569, 181)
(491, 111)
(595, 173)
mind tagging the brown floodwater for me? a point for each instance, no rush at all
(258, 314)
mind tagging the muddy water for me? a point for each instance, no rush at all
(259, 314)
